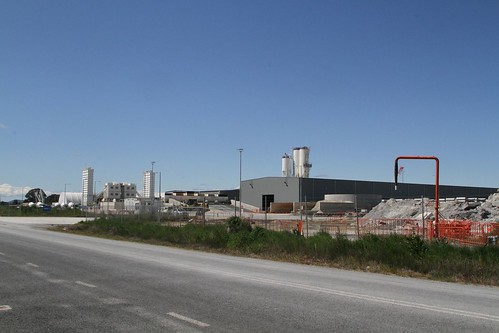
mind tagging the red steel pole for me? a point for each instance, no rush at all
(436, 179)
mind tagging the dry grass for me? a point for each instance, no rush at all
(411, 257)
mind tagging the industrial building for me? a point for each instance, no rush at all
(261, 192)
(295, 186)
(115, 194)
(149, 181)
(87, 186)
(69, 199)
(119, 191)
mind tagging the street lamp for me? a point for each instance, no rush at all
(95, 195)
(437, 168)
(95, 189)
(159, 186)
(152, 183)
(65, 197)
(240, 181)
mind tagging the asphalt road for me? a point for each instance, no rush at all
(55, 282)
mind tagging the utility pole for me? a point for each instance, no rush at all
(65, 197)
(266, 213)
(151, 184)
(240, 182)
(204, 210)
(437, 171)
(306, 214)
(422, 214)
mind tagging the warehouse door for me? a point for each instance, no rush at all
(266, 200)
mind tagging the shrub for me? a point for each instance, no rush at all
(394, 253)
(236, 224)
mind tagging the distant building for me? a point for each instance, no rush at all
(70, 198)
(149, 181)
(260, 193)
(118, 192)
(210, 197)
(87, 186)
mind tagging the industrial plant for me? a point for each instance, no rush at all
(292, 193)
(298, 165)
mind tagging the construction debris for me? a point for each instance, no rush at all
(472, 209)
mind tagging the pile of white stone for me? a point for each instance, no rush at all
(457, 208)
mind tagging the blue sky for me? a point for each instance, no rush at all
(117, 84)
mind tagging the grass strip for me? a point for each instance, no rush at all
(406, 256)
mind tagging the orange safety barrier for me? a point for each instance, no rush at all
(463, 233)
(408, 227)
(468, 233)
(337, 228)
(276, 225)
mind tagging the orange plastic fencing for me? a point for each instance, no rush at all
(407, 227)
(466, 233)
(335, 228)
(277, 225)
(463, 233)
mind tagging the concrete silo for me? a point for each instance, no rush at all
(296, 162)
(286, 166)
(305, 164)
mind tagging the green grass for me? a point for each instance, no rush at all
(35, 211)
(410, 256)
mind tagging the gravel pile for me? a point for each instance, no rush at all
(487, 211)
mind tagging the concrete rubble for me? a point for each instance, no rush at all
(474, 209)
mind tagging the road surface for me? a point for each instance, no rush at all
(56, 282)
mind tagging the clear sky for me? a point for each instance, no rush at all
(117, 84)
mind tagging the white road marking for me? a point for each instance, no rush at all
(2, 254)
(365, 297)
(113, 301)
(173, 325)
(81, 283)
(43, 275)
(5, 308)
(189, 320)
(419, 306)
(32, 265)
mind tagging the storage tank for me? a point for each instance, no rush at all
(286, 166)
(296, 162)
(305, 162)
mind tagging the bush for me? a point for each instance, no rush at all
(236, 224)
(190, 234)
(393, 253)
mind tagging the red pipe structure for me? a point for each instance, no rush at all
(436, 179)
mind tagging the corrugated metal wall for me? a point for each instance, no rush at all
(288, 189)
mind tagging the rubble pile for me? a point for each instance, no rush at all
(458, 209)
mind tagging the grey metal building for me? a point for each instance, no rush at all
(261, 192)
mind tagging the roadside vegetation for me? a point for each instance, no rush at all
(6, 210)
(407, 256)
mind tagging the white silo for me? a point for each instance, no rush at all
(305, 162)
(286, 166)
(296, 162)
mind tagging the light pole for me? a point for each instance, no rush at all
(437, 168)
(151, 188)
(95, 195)
(159, 184)
(95, 189)
(160, 203)
(152, 176)
(240, 181)
(65, 197)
